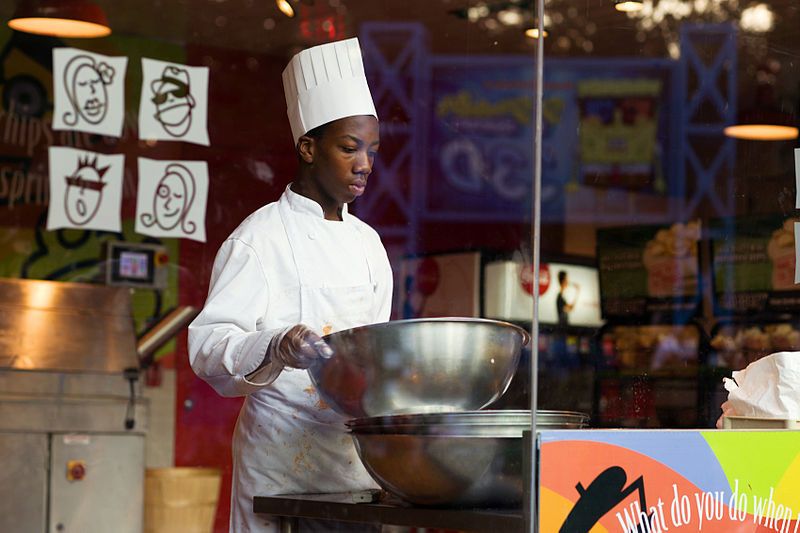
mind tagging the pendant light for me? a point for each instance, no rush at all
(763, 124)
(764, 120)
(762, 132)
(60, 18)
(628, 5)
(285, 7)
(533, 33)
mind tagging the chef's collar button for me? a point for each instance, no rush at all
(312, 236)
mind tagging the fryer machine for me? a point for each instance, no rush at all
(72, 418)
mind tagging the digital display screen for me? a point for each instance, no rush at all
(133, 265)
(574, 285)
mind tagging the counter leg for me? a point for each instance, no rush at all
(288, 524)
(528, 461)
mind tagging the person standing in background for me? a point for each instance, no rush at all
(564, 308)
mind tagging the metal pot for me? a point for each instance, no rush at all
(445, 470)
(456, 459)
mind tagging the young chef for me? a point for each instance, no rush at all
(296, 269)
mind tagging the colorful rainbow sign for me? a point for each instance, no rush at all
(659, 481)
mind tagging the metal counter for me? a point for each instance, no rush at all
(393, 511)
(72, 418)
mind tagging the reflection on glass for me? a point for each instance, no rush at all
(667, 239)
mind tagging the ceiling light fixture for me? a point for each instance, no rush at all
(628, 6)
(765, 119)
(60, 18)
(285, 7)
(762, 132)
(533, 33)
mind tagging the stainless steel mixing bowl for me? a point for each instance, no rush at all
(445, 470)
(455, 459)
(428, 365)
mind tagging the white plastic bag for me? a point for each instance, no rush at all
(767, 388)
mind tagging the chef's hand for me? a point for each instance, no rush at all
(727, 410)
(298, 347)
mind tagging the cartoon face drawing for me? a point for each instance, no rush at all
(84, 191)
(170, 200)
(90, 93)
(86, 84)
(173, 199)
(173, 100)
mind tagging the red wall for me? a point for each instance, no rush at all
(247, 126)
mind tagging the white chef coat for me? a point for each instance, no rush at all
(285, 265)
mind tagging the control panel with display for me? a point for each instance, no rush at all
(131, 264)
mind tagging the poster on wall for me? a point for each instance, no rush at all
(174, 102)
(754, 264)
(171, 199)
(618, 133)
(89, 92)
(441, 285)
(608, 123)
(796, 252)
(85, 190)
(650, 270)
(797, 177)
(480, 158)
(610, 120)
(660, 481)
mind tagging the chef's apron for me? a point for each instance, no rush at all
(287, 441)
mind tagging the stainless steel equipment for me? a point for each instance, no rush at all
(457, 459)
(67, 327)
(419, 366)
(162, 331)
(473, 423)
(72, 421)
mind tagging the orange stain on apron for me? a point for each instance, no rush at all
(302, 462)
(320, 403)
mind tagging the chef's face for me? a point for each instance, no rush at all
(343, 157)
(90, 94)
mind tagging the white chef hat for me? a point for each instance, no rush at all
(326, 83)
